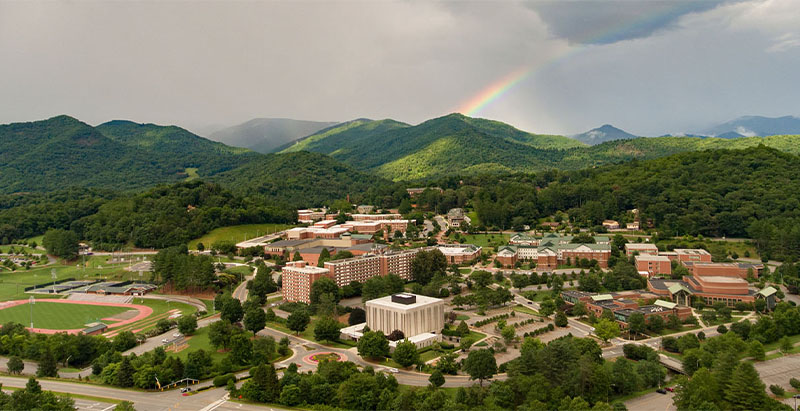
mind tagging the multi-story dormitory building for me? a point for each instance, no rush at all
(297, 282)
(552, 250)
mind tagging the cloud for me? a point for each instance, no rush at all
(611, 21)
(784, 43)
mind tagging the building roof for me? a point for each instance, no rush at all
(289, 243)
(602, 297)
(455, 249)
(309, 269)
(665, 304)
(691, 251)
(766, 292)
(650, 257)
(674, 288)
(593, 247)
(640, 246)
(96, 327)
(387, 302)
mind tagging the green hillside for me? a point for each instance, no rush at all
(64, 152)
(301, 179)
(460, 145)
(445, 145)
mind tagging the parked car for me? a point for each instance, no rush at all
(186, 389)
(176, 335)
(670, 389)
(165, 340)
(661, 391)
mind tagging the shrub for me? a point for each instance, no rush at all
(795, 383)
(777, 390)
(222, 380)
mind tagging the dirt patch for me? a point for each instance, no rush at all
(127, 315)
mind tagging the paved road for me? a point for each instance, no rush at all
(651, 402)
(779, 370)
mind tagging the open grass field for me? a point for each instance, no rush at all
(237, 233)
(58, 316)
(191, 174)
(487, 240)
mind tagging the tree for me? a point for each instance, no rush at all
(373, 344)
(547, 307)
(745, 390)
(263, 386)
(270, 315)
(427, 264)
(255, 320)
(323, 285)
(606, 329)
(187, 324)
(201, 247)
(447, 364)
(508, 332)
(636, 323)
(465, 343)
(47, 365)
(561, 319)
(219, 333)
(298, 321)
(579, 309)
(785, 344)
(480, 365)
(326, 329)
(396, 335)
(291, 395)
(232, 310)
(405, 353)
(61, 243)
(241, 349)
(756, 350)
(324, 256)
(15, 365)
(436, 379)
(124, 375)
(357, 316)
(655, 323)
(481, 278)
(462, 329)
(124, 341)
(126, 405)
(297, 256)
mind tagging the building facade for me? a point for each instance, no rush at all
(297, 277)
(410, 313)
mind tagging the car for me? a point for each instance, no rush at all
(661, 391)
(392, 370)
(165, 340)
(176, 335)
(670, 389)
(530, 302)
(186, 389)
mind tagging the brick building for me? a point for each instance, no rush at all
(641, 248)
(297, 277)
(653, 264)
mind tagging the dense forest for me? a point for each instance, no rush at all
(734, 193)
(172, 215)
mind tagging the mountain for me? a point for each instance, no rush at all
(757, 126)
(62, 152)
(300, 179)
(266, 134)
(602, 134)
(446, 145)
(730, 135)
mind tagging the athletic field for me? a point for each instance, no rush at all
(56, 316)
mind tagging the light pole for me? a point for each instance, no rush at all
(32, 301)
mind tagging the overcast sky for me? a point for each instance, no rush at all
(649, 67)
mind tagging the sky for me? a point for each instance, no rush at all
(650, 67)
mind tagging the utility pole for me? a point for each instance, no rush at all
(32, 301)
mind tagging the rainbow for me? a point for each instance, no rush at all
(501, 87)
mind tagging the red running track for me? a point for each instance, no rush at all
(144, 312)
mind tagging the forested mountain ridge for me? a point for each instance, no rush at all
(301, 179)
(445, 145)
(63, 152)
(264, 135)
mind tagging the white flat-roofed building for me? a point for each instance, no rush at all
(641, 248)
(410, 313)
(459, 253)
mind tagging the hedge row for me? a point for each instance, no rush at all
(539, 331)
(490, 320)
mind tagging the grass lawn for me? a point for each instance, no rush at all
(476, 336)
(237, 233)
(667, 331)
(75, 396)
(240, 270)
(198, 341)
(465, 270)
(526, 310)
(58, 316)
(191, 174)
(473, 218)
(308, 333)
(775, 345)
(487, 240)
(462, 317)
